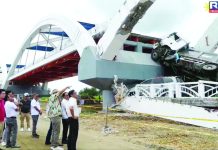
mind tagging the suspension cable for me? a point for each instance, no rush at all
(36, 47)
(47, 40)
(61, 40)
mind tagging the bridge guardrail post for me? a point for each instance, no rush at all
(137, 91)
(178, 90)
(152, 91)
(201, 91)
(170, 88)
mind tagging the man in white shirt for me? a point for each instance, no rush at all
(11, 122)
(65, 121)
(4, 135)
(35, 112)
(73, 115)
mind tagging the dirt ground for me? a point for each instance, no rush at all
(151, 133)
(88, 139)
(128, 132)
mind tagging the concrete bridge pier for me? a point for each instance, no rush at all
(108, 99)
(130, 67)
(45, 86)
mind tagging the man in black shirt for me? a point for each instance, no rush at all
(25, 111)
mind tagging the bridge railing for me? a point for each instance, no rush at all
(200, 89)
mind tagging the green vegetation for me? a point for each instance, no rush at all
(90, 109)
(90, 94)
(86, 94)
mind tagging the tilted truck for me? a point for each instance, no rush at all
(175, 53)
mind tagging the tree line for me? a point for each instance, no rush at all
(91, 94)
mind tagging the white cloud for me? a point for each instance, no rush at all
(187, 17)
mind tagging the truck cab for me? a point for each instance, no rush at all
(173, 51)
(168, 47)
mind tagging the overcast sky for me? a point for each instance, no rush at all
(188, 17)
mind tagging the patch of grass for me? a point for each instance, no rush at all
(91, 108)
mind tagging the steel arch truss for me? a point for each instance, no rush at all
(51, 51)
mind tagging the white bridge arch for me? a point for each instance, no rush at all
(77, 34)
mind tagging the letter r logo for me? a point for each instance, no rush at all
(213, 4)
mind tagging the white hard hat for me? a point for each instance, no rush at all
(26, 94)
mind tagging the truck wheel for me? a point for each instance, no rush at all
(154, 55)
(210, 70)
(209, 67)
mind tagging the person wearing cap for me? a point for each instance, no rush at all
(35, 112)
(25, 105)
(55, 115)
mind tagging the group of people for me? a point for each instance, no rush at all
(61, 106)
(29, 108)
(10, 108)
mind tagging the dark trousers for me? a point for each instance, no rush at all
(48, 136)
(73, 134)
(11, 125)
(65, 123)
(35, 120)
